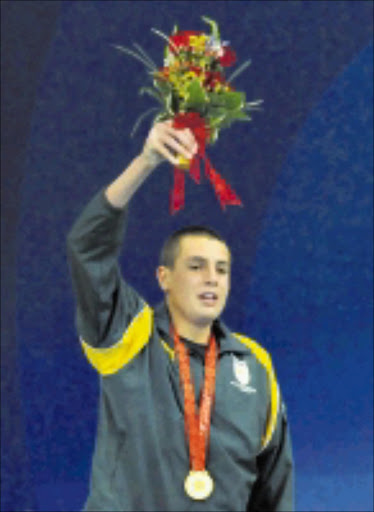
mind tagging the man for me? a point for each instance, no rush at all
(190, 415)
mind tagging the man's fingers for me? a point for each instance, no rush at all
(166, 153)
(191, 139)
(170, 143)
(177, 145)
(184, 137)
(188, 139)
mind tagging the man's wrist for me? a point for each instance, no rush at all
(148, 161)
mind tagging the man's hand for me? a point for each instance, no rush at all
(165, 143)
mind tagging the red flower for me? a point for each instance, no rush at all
(195, 69)
(213, 77)
(228, 58)
(182, 38)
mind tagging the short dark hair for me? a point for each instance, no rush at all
(171, 245)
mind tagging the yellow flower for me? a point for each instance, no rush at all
(173, 78)
(221, 87)
(180, 86)
(198, 42)
(190, 75)
(201, 78)
(202, 62)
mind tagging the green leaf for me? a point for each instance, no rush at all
(135, 55)
(151, 92)
(164, 87)
(254, 105)
(168, 102)
(196, 96)
(162, 116)
(217, 122)
(213, 135)
(238, 115)
(144, 54)
(216, 100)
(233, 99)
(229, 100)
(165, 37)
(217, 112)
(166, 93)
(226, 119)
(213, 25)
(141, 119)
(239, 70)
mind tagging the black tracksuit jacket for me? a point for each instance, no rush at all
(141, 456)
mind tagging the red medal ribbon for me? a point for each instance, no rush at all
(224, 192)
(197, 422)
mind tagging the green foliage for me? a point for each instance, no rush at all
(196, 98)
(224, 108)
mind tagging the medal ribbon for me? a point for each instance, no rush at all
(224, 192)
(197, 422)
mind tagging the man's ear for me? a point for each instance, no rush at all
(163, 277)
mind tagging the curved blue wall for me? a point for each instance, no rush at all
(311, 292)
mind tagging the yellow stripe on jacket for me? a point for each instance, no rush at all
(264, 358)
(109, 360)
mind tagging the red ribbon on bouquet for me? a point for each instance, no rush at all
(224, 192)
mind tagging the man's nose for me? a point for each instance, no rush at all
(211, 275)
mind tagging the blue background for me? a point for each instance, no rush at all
(302, 244)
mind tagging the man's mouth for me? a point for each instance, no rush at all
(208, 298)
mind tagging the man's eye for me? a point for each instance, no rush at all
(194, 267)
(222, 271)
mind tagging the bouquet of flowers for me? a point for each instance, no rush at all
(192, 90)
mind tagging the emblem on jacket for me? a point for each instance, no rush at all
(242, 375)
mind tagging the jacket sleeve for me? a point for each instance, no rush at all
(274, 488)
(112, 319)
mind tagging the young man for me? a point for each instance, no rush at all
(190, 414)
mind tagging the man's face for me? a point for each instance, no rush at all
(198, 284)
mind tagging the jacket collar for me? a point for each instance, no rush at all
(227, 342)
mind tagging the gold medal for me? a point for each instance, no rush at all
(198, 485)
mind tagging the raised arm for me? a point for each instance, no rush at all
(107, 307)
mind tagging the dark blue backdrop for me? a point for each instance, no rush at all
(302, 244)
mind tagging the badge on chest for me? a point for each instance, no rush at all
(242, 375)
